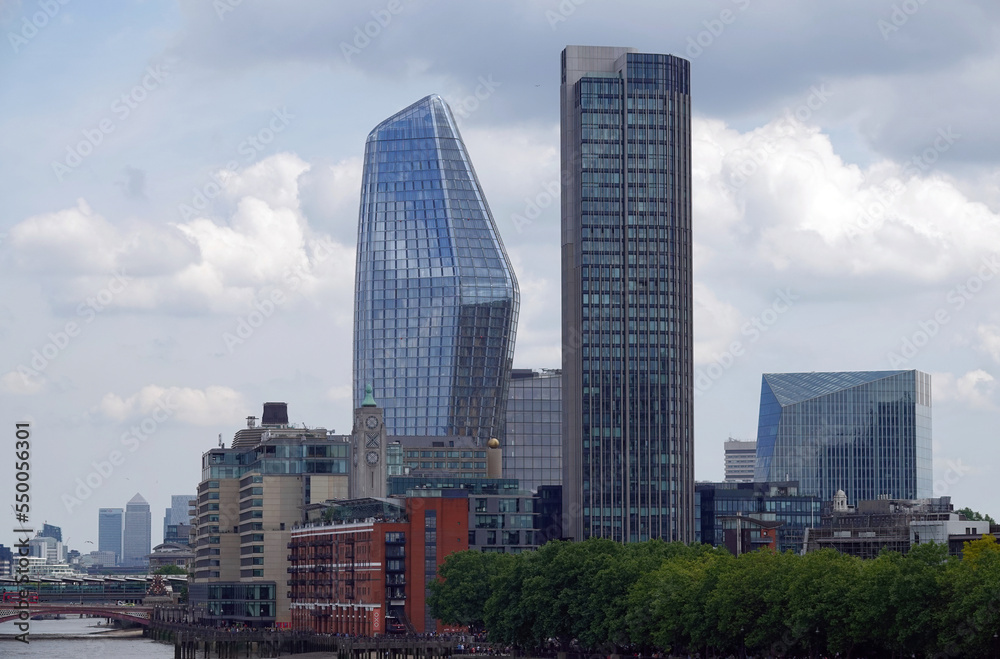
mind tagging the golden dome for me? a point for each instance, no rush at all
(493, 443)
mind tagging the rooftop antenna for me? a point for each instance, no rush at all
(221, 444)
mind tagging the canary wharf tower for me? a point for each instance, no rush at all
(628, 460)
(436, 300)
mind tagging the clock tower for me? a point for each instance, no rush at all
(368, 475)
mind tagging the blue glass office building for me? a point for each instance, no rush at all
(628, 459)
(867, 433)
(436, 300)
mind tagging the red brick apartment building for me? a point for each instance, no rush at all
(366, 571)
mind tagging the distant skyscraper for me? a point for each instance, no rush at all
(627, 298)
(740, 459)
(867, 433)
(436, 300)
(178, 512)
(110, 522)
(50, 531)
(532, 443)
(136, 537)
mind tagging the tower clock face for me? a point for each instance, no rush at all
(371, 458)
(371, 422)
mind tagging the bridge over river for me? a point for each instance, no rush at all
(128, 613)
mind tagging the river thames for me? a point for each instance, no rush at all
(48, 639)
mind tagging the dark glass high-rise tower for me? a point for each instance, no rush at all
(867, 433)
(628, 459)
(109, 530)
(436, 300)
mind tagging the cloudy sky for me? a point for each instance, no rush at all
(172, 167)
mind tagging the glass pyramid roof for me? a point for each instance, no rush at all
(792, 388)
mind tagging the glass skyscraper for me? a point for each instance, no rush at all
(532, 443)
(109, 530)
(436, 300)
(627, 295)
(136, 534)
(867, 433)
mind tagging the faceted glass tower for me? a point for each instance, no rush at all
(628, 459)
(436, 300)
(867, 433)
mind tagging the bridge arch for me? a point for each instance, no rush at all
(139, 614)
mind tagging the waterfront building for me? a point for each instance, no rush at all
(249, 499)
(867, 433)
(109, 532)
(136, 537)
(424, 457)
(740, 458)
(744, 516)
(436, 300)
(366, 567)
(628, 455)
(173, 554)
(871, 527)
(532, 442)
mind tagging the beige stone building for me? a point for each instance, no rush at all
(250, 498)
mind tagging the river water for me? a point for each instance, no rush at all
(87, 642)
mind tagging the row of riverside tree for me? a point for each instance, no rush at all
(648, 597)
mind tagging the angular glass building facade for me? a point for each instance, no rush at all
(436, 300)
(627, 332)
(867, 433)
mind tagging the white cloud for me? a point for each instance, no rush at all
(974, 389)
(74, 240)
(19, 384)
(780, 193)
(212, 406)
(989, 340)
(716, 323)
(200, 265)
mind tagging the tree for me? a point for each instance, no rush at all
(464, 584)
(170, 569)
(819, 590)
(975, 516)
(974, 610)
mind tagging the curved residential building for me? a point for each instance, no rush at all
(436, 300)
